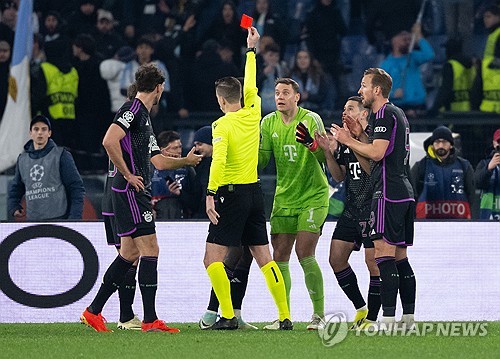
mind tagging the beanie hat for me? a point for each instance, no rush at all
(496, 135)
(444, 133)
(40, 118)
(203, 135)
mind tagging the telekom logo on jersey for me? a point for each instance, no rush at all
(290, 152)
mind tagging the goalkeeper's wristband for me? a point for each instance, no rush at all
(211, 193)
(313, 146)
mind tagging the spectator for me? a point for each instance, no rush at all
(52, 26)
(443, 182)
(93, 110)
(47, 176)
(8, 19)
(54, 92)
(408, 91)
(111, 70)
(207, 68)
(5, 58)
(487, 178)
(314, 86)
(272, 69)
(456, 80)
(83, 20)
(325, 29)
(108, 41)
(174, 192)
(489, 81)
(268, 23)
(203, 143)
(226, 29)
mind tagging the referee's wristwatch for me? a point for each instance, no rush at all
(211, 193)
(253, 49)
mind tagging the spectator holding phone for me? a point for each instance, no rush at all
(487, 178)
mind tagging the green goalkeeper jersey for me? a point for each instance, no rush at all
(301, 180)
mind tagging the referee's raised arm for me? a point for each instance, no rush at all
(250, 83)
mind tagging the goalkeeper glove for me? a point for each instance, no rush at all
(302, 136)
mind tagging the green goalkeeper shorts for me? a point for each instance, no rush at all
(293, 220)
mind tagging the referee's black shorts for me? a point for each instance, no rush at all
(242, 218)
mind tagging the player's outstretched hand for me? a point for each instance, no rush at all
(192, 158)
(302, 136)
(253, 37)
(341, 134)
(353, 125)
(326, 142)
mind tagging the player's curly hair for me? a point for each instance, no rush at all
(380, 78)
(147, 77)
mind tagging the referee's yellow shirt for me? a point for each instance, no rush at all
(236, 137)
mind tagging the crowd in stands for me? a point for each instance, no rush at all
(89, 50)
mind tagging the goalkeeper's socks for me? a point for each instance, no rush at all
(239, 286)
(373, 298)
(112, 279)
(276, 285)
(407, 285)
(222, 288)
(148, 283)
(389, 284)
(285, 272)
(349, 284)
(213, 304)
(126, 293)
(314, 283)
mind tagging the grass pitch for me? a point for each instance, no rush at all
(71, 340)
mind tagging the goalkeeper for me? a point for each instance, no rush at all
(301, 200)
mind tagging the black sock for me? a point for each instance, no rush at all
(373, 298)
(213, 304)
(389, 285)
(239, 286)
(112, 279)
(126, 293)
(407, 286)
(148, 282)
(348, 282)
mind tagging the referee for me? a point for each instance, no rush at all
(237, 217)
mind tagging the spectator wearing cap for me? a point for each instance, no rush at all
(443, 182)
(108, 41)
(5, 58)
(203, 143)
(47, 177)
(8, 19)
(93, 108)
(487, 178)
(111, 70)
(457, 77)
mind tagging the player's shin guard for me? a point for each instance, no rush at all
(407, 286)
(126, 293)
(349, 284)
(389, 286)
(221, 287)
(285, 272)
(314, 284)
(373, 298)
(148, 283)
(112, 279)
(276, 285)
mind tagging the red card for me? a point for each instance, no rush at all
(246, 21)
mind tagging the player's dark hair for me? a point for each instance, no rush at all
(287, 81)
(132, 91)
(165, 137)
(380, 78)
(147, 77)
(229, 88)
(359, 100)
